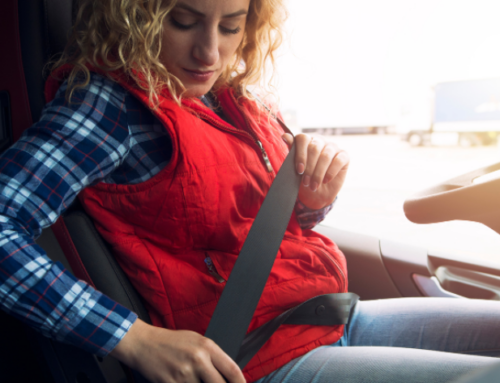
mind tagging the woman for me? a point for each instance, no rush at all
(173, 184)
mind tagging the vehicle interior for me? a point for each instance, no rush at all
(36, 30)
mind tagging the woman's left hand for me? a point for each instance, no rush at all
(324, 168)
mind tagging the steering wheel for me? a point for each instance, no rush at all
(459, 198)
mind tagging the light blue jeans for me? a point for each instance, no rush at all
(406, 340)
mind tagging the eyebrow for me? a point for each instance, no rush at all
(198, 13)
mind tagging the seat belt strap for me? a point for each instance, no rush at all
(323, 310)
(245, 284)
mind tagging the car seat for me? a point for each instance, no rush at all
(33, 32)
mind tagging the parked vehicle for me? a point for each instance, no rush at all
(465, 113)
(339, 130)
(329, 128)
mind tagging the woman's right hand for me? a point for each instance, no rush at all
(163, 355)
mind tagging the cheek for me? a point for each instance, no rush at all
(173, 48)
(228, 50)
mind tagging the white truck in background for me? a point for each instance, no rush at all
(328, 129)
(465, 113)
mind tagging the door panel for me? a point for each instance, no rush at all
(431, 287)
(380, 268)
(402, 261)
(367, 274)
(467, 278)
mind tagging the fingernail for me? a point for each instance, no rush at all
(301, 168)
(314, 186)
(306, 180)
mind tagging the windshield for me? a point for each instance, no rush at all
(408, 89)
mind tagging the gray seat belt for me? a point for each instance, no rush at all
(234, 311)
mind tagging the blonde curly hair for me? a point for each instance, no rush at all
(125, 35)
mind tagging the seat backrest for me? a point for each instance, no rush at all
(37, 30)
(40, 32)
(33, 31)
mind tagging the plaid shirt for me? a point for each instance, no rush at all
(105, 135)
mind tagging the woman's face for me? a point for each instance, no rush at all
(200, 39)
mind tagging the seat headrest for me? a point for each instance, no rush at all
(44, 27)
(37, 30)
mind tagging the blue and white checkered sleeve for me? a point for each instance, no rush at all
(308, 218)
(71, 147)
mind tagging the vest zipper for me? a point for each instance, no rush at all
(263, 152)
(261, 147)
(212, 270)
(265, 157)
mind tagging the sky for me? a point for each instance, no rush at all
(365, 62)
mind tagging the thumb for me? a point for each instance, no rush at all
(288, 138)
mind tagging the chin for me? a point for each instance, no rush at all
(197, 89)
(190, 93)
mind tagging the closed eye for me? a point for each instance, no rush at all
(228, 31)
(185, 27)
(181, 26)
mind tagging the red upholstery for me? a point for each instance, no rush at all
(32, 31)
(12, 66)
(14, 82)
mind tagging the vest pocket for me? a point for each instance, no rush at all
(212, 270)
(326, 258)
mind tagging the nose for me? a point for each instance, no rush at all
(206, 48)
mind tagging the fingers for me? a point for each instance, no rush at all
(339, 162)
(320, 162)
(225, 365)
(288, 138)
(196, 364)
(207, 362)
(173, 356)
(319, 157)
(302, 142)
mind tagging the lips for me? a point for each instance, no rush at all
(199, 75)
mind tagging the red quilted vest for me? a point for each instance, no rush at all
(202, 205)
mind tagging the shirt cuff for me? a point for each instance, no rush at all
(99, 324)
(308, 218)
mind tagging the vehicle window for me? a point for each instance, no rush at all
(411, 89)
